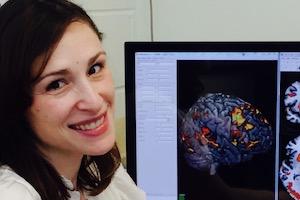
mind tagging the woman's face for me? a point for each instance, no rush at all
(73, 99)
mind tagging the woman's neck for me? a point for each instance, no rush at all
(66, 164)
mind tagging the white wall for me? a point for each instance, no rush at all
(226, 20)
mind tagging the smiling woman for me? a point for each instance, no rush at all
(57, 106)
(77, 85)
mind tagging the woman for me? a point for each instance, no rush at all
(57, 137)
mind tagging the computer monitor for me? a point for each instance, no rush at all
(213, 120)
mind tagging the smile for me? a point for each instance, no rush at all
(88, 126)
(92, 127)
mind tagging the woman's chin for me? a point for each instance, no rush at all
(102, 147)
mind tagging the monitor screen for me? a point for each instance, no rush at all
(213, 120)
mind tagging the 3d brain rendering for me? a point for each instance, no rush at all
(292, 103)
(223, 130)
(290, 169)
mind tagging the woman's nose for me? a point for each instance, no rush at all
(89, 98)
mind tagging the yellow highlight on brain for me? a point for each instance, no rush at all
(237, 116)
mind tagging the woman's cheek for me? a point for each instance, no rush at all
(52, 109)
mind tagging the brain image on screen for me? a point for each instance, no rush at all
(290, 169)
(292, 103)
(223, 130)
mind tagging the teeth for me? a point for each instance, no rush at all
(98, 122)
(87, 126)
(91, 125)
(101, 120)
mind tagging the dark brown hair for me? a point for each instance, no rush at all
(30, 29)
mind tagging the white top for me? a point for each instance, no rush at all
(122, 187)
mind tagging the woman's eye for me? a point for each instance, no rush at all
(94, 69)
(55, 85)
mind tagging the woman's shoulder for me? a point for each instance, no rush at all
(14, 187)
(122, 187)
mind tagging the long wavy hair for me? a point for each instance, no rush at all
(31, 29)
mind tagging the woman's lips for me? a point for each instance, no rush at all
(93, 127)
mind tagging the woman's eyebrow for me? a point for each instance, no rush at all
(66, 71)
(58, 72)
(94, 58)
